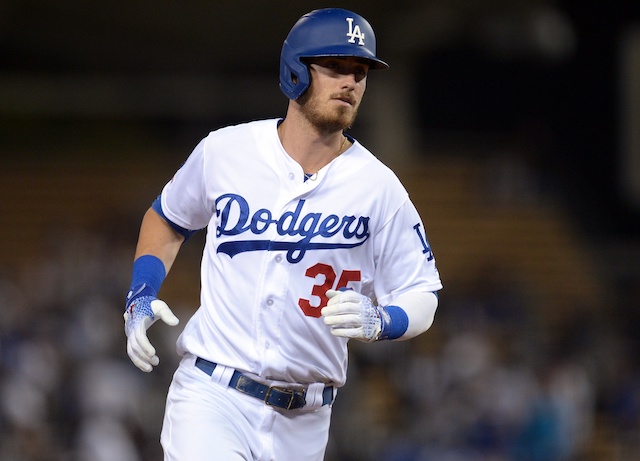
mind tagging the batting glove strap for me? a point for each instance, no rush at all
(140, 291)
(372, 320)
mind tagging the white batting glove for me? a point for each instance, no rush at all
(352, 315)
(143, 310)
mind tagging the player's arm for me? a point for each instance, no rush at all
(159, 239)
(406, 266)
(418, 307)
(352, 315)
(158, 245)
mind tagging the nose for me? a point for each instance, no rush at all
(349, 80)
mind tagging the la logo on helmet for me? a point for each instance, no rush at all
(355, 32)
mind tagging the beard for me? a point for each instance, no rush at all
(326, 120)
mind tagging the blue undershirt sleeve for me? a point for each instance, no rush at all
(186, 233)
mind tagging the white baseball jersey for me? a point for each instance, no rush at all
(276, 243)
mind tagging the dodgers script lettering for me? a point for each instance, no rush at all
(328, 232)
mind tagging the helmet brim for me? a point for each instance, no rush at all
(374, 63)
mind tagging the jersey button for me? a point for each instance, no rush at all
(279, 258)
(292, 176)
(269, 302)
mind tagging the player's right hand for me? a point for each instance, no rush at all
(352, 315)
(143, 310)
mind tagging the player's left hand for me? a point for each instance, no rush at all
(352, 315)
(143, 310)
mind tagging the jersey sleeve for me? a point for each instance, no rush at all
(405, 260)
(184, 197)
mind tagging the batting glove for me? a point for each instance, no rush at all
(352, 315)
(143, 310)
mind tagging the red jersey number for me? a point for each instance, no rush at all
(326, 282)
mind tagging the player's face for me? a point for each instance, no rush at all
(337, 87)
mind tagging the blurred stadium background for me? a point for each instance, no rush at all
(515, 126)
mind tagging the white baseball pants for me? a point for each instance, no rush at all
(206, 420)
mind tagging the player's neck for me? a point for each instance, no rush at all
(310, 148)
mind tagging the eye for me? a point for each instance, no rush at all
(360, 71)
(343, 67)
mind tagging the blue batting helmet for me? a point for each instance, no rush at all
(325, 32)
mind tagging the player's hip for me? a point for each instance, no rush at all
(201, 409)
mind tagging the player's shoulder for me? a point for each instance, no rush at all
(374, 168)
(243, 137)
(254, 126)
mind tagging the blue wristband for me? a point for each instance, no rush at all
(148, 269)
(397, 323)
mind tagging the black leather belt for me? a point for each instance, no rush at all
(276, 396)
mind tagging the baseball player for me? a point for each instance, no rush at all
(311, 241)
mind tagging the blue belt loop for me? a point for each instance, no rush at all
(276, 396)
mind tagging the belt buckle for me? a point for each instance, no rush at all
(290, 392)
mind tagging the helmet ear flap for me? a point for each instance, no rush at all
(294, 75)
